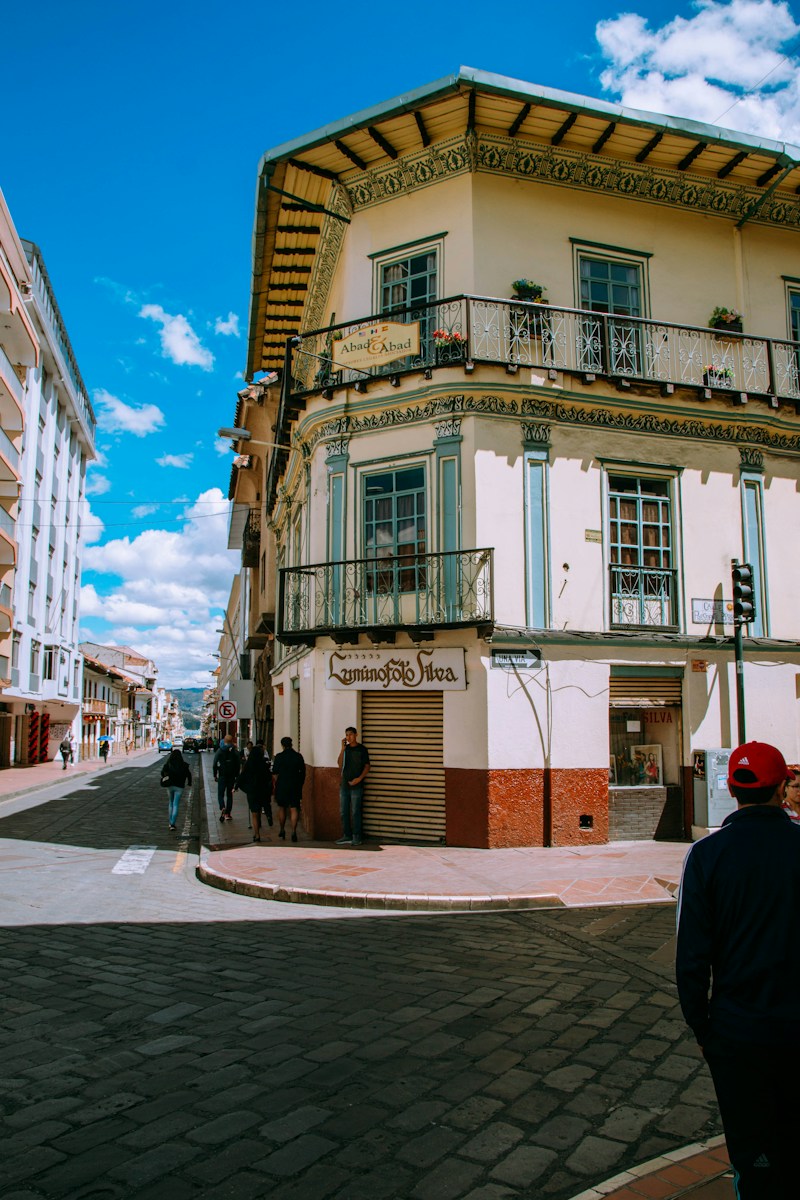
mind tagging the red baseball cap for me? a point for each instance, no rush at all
(757, 765)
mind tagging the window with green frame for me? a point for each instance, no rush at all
(612, 286)
(640, 551)
(395, 529)
(411, 283)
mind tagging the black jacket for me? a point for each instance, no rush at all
(176, 771)
(227, 763)
(255, 777)
(739, 930)
(289, 769)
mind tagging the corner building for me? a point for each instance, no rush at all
(517, 451)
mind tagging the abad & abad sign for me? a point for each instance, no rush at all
(439, 670)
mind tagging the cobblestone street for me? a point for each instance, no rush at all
(163, 1039)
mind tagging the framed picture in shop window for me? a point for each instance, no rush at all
(647, 766)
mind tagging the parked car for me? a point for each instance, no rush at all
(164, 745)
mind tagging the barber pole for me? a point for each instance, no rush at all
(44, 737)
(33, 738)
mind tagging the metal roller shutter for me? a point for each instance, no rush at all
(644, 693)
(404, 796)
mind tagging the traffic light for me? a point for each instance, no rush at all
(744, 597)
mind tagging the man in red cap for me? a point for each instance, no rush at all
(739, 936)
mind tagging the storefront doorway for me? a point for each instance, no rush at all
(645, 777)
(404, 799)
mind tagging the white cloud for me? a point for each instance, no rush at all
(97, 485)
(222, 446)
(115, 416)
(179, 342)
(229, 327)
(166, 590)
(92, 528)
(706, 64)
(143, 510)
(183, 461)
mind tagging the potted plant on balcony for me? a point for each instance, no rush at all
(450, 345)
(528, 291)
(726, 318)
(720, 377)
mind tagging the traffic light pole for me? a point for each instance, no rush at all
(738, 654)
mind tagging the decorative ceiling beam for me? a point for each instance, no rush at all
(649, 148)
(604, 136)
(765, 178)
(288, 287)
(312, 170)
(276, 302)
(298, 270)
(287, 331)
(519, 120)
(731, 164)
(473, 100)
(558, 137)
(301, 205)
(309, 229)
(425, 137)
(355, 159)
(381, 141)
(296, 250)
(694, 153)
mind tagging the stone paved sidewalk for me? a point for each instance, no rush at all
(380, 876)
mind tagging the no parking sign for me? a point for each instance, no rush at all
(227, 710)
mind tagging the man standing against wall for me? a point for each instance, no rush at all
(354, 767)
(739, 934)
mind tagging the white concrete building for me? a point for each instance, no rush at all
(142, 672)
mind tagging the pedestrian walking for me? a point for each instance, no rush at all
(289, 770)
(354, 766)
(255, 781)
(73, 748)
(175, 774)
(104, 750)
(66, 752)
(739, 936)
(226, 766)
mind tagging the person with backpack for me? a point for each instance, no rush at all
(227, 766)
(175, 774)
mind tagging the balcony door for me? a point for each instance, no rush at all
(614, 287)
(641, 554)
(411, 283)
(395, 539)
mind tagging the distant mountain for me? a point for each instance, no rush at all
(190, 701)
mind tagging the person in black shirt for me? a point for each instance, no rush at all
(354, 766)
(289, 770)
(739, 936)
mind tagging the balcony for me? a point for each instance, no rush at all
(413, 593)
(251, 540)
(479, 329)
(643, 597)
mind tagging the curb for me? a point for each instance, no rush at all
(389, 901)
(710, 1162)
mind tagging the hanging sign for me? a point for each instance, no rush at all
(373, 345)
(440, 670)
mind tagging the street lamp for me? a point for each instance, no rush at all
(244, 435)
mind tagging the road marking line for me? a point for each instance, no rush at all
(180, 859)
(134, 861)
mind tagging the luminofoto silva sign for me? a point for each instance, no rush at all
(373, 345)
(439, 670)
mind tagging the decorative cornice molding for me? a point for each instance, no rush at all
(522, 159)
(537, 416)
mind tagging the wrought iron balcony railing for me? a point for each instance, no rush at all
(407, 591)
(643, 596)
(472, 329)
(251, 540)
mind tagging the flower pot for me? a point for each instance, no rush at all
(728, 326)
(717, 379)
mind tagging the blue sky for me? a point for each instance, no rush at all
(131, 161)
